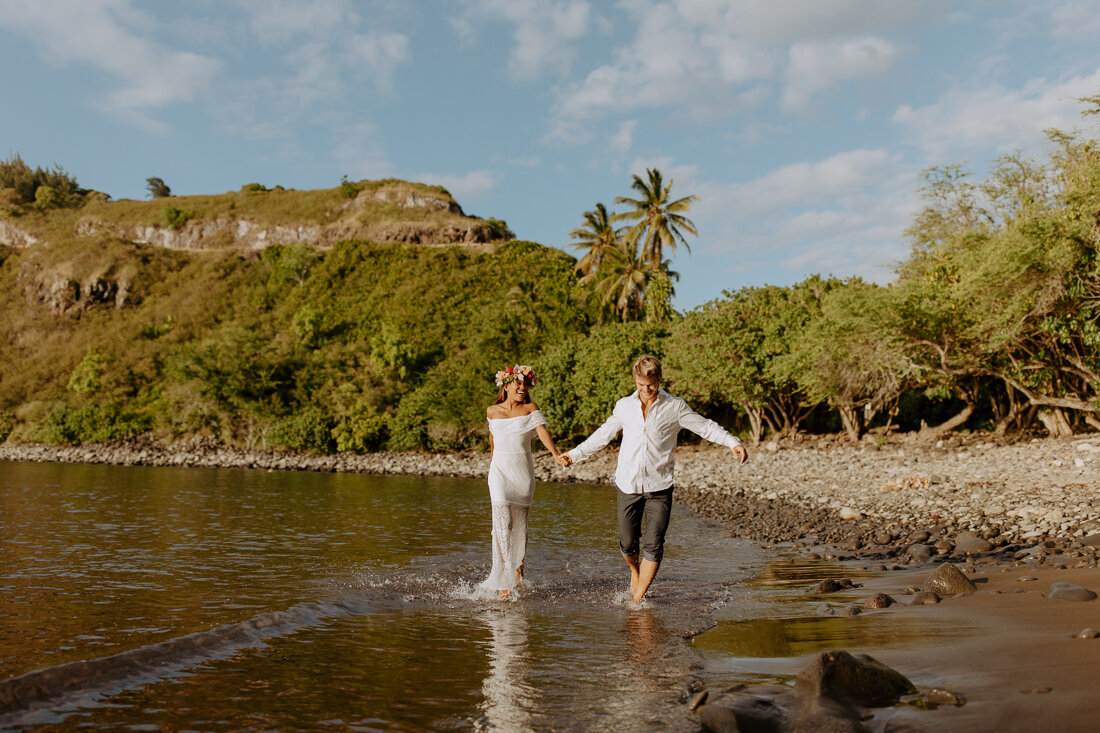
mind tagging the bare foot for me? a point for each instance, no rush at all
(633, 580)
(505, 595)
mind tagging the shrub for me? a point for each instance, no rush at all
(499, 229)
(309, 430)
(348, 189)
(94, 422)
(7, 424)
(88, 374)
(176, 218)
(361, 431)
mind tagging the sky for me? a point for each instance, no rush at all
(803, 126)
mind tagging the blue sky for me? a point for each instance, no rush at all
(802, 125)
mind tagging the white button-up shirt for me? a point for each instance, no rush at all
(645, 456)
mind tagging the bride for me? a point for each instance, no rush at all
(513, 420)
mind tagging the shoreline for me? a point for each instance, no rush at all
(859, 500)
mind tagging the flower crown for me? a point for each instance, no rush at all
(519, 371)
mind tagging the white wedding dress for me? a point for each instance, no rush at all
(511, 488)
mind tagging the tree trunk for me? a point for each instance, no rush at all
(851, 419)
(1056, 423)
(756, 422)
(935, 431)
(1092, 421)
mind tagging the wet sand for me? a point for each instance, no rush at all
(1019, 664)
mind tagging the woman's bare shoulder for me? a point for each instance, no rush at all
(494, 410)
(529, 408)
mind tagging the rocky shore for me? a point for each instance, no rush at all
(901, 499)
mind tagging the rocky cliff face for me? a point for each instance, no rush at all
(431, 220)
(14, 236)
(350, 223)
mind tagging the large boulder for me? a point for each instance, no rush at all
(853, 678)
(824, 699)
(948, 581)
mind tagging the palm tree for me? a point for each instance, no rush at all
(658, 217)
(597, 236)
(620, 281)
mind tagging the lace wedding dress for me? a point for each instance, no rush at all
(511, 487)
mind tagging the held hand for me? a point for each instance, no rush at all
(565, 461)
(740, 453)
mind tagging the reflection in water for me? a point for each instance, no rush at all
(509, 697)
(645, 636)
(794, 637)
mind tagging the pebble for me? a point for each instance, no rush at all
(1089, 633)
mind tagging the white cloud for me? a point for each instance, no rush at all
(996, 118)
(100, 33)
(845, 176)
(359, 152)
(472, 186)
(814, 66)
(278, 21)
(842, 215)
(1076, 20)
(705, 58)
(543, 31)
(380, 53)
(621, 142)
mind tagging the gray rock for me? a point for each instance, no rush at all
(925, 598)
(1070, 592)
(948, 581)
(1092, 540)
(879, 600)
(822, 699)
(919, 553)
(969, 544)
(853, 678)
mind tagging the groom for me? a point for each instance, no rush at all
(650, 420)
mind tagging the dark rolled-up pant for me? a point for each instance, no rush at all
(655, 508)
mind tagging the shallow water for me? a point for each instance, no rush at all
(228, 599)
(197, 599)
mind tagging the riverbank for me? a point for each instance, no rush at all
(859, 499)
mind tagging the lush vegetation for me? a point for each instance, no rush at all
(992, 323)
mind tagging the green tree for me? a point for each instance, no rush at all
(157, 188)
(620, 281)
(659, 220)
(842, 357)
(595, 238)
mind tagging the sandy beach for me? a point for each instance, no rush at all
(1015, 517)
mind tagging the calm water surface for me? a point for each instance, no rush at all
(196, 599)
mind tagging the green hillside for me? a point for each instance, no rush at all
(352, 346)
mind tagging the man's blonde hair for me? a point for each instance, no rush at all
(647, 367)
